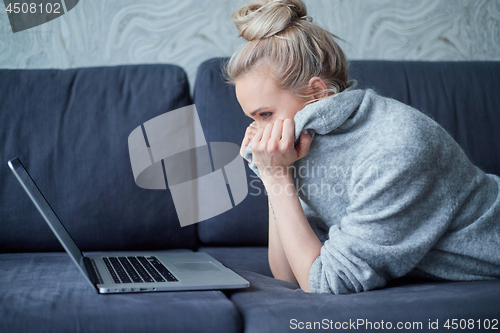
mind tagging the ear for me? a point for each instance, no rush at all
(317, 87)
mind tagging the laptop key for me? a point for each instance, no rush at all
(119, 270)
(111, 270)
(162, 269)
(142, 272)
(130, 270)
(150, 269)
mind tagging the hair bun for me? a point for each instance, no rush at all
(266, 18)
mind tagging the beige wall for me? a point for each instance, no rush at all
(110, 32)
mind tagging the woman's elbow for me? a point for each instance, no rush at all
(283, 275)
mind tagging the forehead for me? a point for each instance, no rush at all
(257, 79)
(256, 88)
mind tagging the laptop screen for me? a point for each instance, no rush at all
(48, 214)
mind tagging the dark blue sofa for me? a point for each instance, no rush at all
(70, 129)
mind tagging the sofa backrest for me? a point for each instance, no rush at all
(70, 129)
(462, 96)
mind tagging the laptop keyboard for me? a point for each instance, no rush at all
(137, 270)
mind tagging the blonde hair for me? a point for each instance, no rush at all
(280, 34)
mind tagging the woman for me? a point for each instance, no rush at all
(362, 189)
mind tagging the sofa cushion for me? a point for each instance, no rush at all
(70, 129)
(45, 292)
(272, 305)
(269, 304)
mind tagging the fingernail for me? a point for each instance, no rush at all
(305, 131)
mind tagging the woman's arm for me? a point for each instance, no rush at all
(274, 151)
(277, 258)
(298, 240)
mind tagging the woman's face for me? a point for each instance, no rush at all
(262, 100)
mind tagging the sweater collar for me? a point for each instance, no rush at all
(329, 113)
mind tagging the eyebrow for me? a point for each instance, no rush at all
(257, 110)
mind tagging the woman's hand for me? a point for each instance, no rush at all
(249, 134)
(274, 149)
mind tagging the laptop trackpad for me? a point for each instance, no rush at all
(196, 266)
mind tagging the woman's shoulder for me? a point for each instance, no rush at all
(366, 123)
(399, 124)
(384, 128)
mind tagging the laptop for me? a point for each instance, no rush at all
(126, 272)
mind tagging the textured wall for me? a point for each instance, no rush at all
(110, 32)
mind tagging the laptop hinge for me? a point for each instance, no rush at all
(93, 274)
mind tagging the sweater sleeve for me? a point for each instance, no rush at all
(398, 210)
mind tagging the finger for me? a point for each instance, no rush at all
(305, 140)
(288, 135)
(251, 129)
(267, 133)
(243, 147)
(249, 134)
(277, 128)
(257, 137)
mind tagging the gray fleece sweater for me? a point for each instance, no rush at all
(390, 193)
